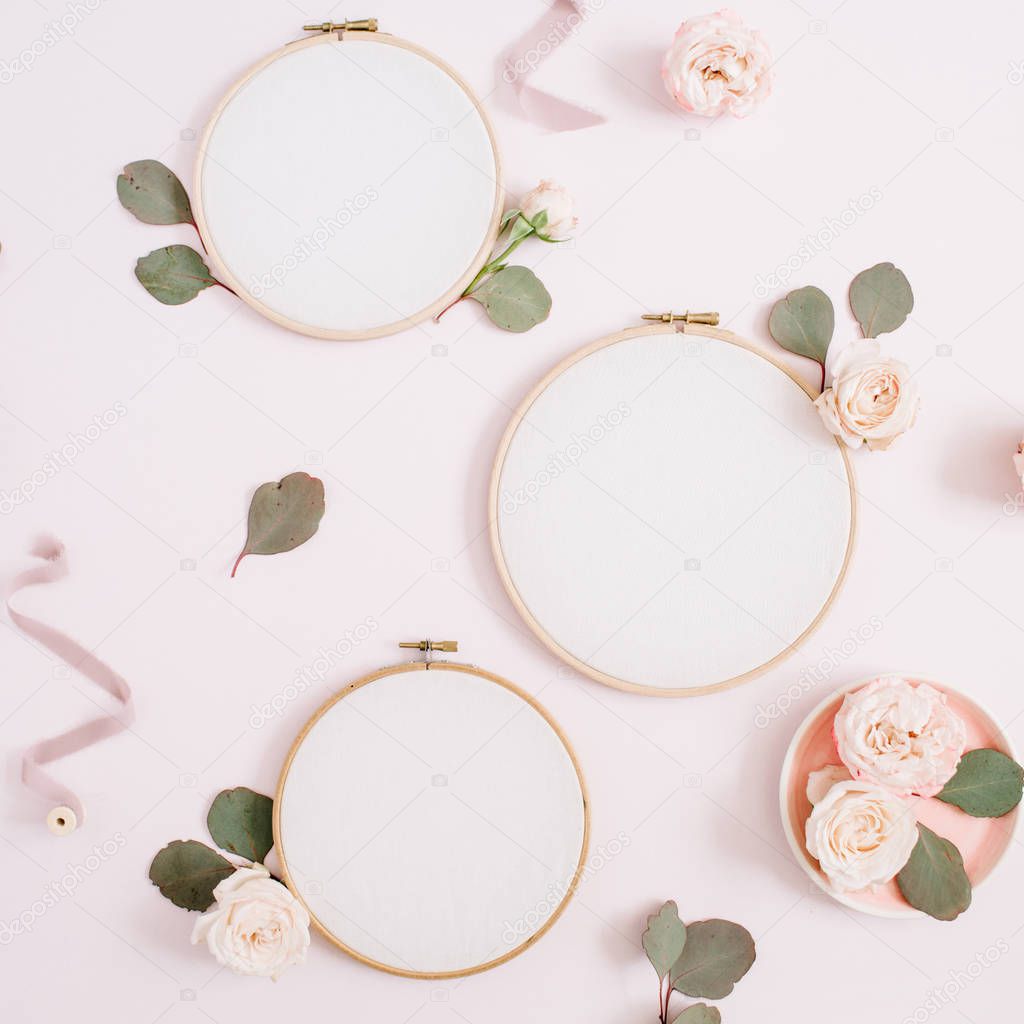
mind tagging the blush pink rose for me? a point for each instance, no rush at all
(872, 399)
(900, 735)
(716, 63)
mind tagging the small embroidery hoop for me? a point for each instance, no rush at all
(701, 325)
(351, 33)
(427, 647)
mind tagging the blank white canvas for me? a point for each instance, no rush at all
(349, 185)
(693, 541)
(432, 820)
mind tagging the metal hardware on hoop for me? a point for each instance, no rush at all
(711, 319)
(427, 646)
(361, 25)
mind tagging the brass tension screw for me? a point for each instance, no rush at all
(711, 319)
(362, 25)
(449, 646)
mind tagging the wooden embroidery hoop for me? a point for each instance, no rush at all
(352, 33)
(415, 666)
(691, 324)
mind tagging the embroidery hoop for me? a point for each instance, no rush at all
(485, 677)
(347, 34)
(692, 325)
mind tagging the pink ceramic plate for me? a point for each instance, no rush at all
(981, 841)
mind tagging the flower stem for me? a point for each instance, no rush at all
(486, 269)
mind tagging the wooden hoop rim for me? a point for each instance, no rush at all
(493, 509)
(222, 273)
(414, 666)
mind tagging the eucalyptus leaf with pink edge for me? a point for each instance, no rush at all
(153, 193)
(283, 515)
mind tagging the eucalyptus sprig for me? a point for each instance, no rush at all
(514, 297)
(804, 320)
(703, 960)
(240, 823)
(153, 193)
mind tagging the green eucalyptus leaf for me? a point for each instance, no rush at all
(934, 880)
(664, 939)
(803, 323)
(699, 1013)
(187, 872)
(283, 515)
(241, 822)
(716, 955)
(881, 299)
(514, 299)
(987, 784)
(153, 193)
(174, 275)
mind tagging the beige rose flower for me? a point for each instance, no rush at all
(900, 735)
(1018, 462)
(872, 398)
(860, 834)
(256, 926)
(558, 203)
(716, 63)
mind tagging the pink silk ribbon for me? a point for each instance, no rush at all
(55, 567)
(530, 50)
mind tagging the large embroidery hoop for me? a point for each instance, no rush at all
(329, 177)
(428, 806)
(576, 522)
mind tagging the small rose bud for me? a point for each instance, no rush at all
(556, 201)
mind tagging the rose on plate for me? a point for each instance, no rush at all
(900, 743)
(900, 735)
(860, 833)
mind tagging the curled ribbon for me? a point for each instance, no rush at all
(531, 49)
(55, 567)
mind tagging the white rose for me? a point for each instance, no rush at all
(256, 926)
(716, 63)
(861, 835)
(556, 200)
(871, 399)
(900, 735)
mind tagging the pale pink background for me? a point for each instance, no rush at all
(924, 107)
